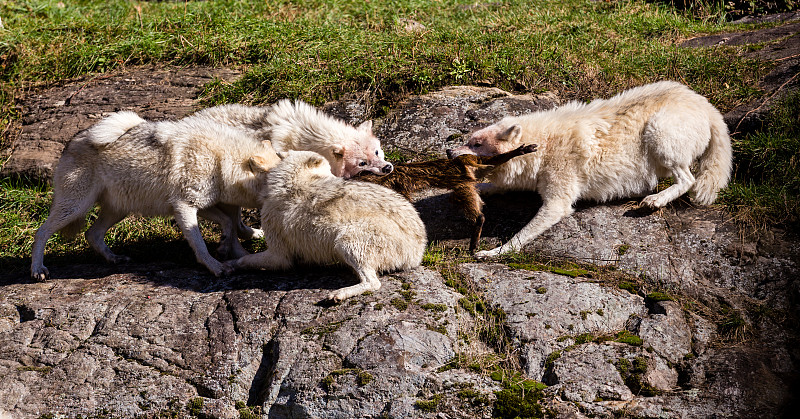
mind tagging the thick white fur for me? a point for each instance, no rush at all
(311, 216)
(128, 165)
(610, 149)
(300, 126)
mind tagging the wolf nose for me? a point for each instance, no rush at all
(388, 168)
(449, 152)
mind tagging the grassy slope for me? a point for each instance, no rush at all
(318, 50)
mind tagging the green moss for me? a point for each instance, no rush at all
(632, 373)
(240, 405)
(517, 403)
(363, 378)
(566, 271)
(399, 304)
(552, 359)
(250, 413)
(378, 306)
(438, 329)
(429, 405)
(328, 383)
(659, 296)
(584, 338)
(42, 370)
(622, 249)
(434, 307)
(628, 337)
(195, 406)
(541, 290)
(628, 286)
(600, 312)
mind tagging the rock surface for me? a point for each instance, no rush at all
(163, 338)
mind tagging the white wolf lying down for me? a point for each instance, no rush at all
(309, 215)
(129, 165)
(609, 149)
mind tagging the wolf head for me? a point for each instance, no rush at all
(362, 152)
(495, 139)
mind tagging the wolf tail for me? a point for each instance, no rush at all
(112, 127)
(715, 163)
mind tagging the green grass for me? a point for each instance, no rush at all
(765, 189)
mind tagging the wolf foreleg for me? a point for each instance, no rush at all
(549, 214)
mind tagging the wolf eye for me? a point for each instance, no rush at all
(376, 152)
(363, 163)
(476, 145)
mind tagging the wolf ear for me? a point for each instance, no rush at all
(268, 145)
(315, 161)
(512, 133)
(259, 163)
(338, 151)
(366, 126)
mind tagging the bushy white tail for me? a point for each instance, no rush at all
(715, 163)
(112, 127)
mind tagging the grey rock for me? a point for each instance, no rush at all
(546, 311)
(668, 333)
(587, 373)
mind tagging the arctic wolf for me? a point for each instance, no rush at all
(610, 149)
(460, 175)
(299, 126)
(309, 215)
(128, 165)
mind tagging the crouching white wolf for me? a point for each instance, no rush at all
(609, 149)
(309, 215)
(299, 126)
(129, 165)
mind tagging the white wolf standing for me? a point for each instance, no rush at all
(609, 149)
(299, 126)
(129, 165)
(309, 215)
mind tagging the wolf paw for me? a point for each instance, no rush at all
(483, 254)
(118, 259)
(653, 201)
(40, 274)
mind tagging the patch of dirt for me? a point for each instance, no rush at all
(53, 115)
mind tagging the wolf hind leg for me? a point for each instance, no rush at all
(63, 212)
(95, 235)
(229, 245)
(683, 182)
(368, 276)
(274, 258)
(368, 282)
